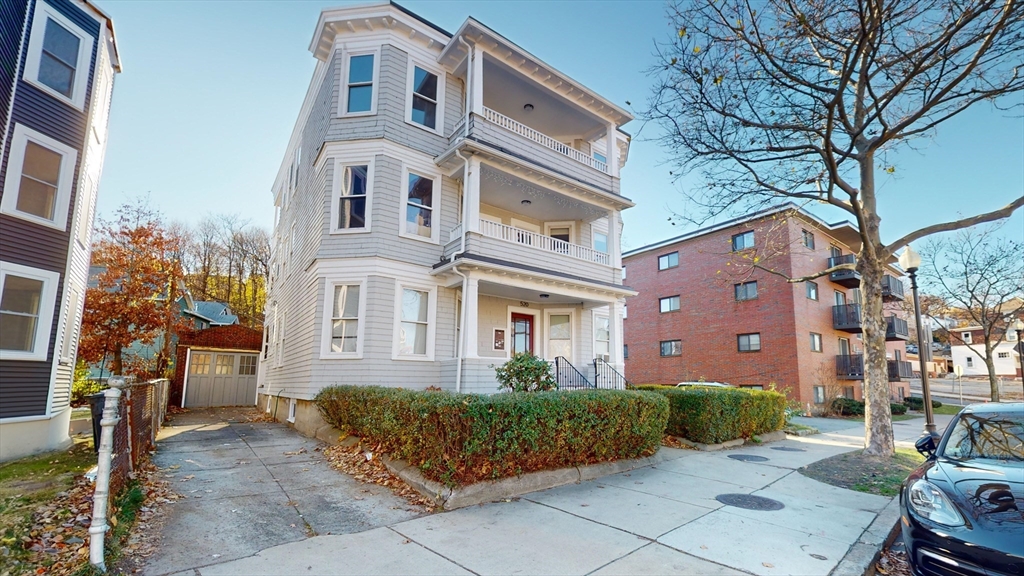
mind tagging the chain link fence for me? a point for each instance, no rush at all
(142, 410)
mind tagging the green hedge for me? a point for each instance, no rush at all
(464, 438)
(918, 403)
(715, 415)
(851, 407)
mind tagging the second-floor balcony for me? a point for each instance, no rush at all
(848, 318)
(847, 278)
(851, 367)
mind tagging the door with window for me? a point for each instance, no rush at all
(560, 336)
(844, 346)
(522, 333)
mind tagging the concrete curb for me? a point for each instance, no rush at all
(505, 488)
(861, 558)
(765, 438)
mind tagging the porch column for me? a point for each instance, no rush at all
(614, 248)
(476, 79)
(615, 334)
(471, 195)
(470, 302)
(613, 150)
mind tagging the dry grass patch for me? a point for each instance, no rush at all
(870, 474)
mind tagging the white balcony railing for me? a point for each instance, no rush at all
(455, 233)
(539, 241)
(543, 139)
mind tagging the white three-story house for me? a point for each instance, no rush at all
(445, 202)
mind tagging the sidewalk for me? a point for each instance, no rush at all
(659, 520)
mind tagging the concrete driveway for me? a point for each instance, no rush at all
(252, 486)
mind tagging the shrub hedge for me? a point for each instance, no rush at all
(851, 407)
(715, 415)
(918, 403)
(465, 438)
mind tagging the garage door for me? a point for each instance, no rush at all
(221, 379)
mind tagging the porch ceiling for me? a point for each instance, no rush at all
(503, 190)
(531, 295)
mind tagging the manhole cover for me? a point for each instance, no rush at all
(748, 457)
(788, 449)
(750, 502)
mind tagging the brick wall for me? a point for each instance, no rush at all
(232, 337)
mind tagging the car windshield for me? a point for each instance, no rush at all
(989, 436)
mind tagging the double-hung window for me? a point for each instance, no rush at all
(345, 319)
(815, 342)
(812, 290)
(352, 197)
(748, 342)
(37, 187)
(59, 54)
(808, 239)
(425, 98)
(414, 326)
(420, 199)
(27, 297)
(746, 291)
(359, 84)
(742, 241)
(666, 261)
(670, 304)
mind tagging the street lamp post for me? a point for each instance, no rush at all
(1018, 326)
(911, 262)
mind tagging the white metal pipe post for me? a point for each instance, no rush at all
(98, 527)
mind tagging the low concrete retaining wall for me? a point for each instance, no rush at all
(769, 437)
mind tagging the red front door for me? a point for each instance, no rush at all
(522, 333)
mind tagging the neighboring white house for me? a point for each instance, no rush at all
(1006, 361)
(444, 202)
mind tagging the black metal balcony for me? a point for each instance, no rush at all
(847, 278)
(847, 318)
(892, 289)
(896, 328)
(851, 367)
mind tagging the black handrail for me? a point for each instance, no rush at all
(568, 377)
(606, 376)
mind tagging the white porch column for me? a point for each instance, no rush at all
(613, 150)
(471, 195)
(470, 302)
(615, 334)
(614, 247)
(476, 87)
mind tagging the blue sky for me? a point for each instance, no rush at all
(211, 90)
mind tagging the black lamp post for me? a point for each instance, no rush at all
(1018, 326)
(911, 262)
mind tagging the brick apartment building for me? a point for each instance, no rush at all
(704, 312)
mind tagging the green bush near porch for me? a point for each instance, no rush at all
(716, 415)
(459, 439)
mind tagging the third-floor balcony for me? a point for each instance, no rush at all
(847, 278)
(848, 318)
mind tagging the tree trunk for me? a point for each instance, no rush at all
(878, 440)
(163, 362)
(990, 363)
(117, 365)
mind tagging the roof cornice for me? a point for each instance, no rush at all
(374, 17)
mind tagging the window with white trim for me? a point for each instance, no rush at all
(966, 337)
(424, 98)
(352, 198)
(412, 338)
(345, 319)
(27, 297)
(39, 175)
(1003, 354)
(420, 198)
(666, 261)
(59, 53)
(970, 361)
(599, 235)
(360, 80)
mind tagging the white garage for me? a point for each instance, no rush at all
(220, 378)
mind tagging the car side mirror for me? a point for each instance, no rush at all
(926, 446)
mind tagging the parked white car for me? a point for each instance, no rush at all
(705, 384)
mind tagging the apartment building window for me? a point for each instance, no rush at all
(27, 297)
(413, 329)
(746, 291)
(808, 239)
(812, 290)
(742, 241)
(671, 348)
(344, 320)
(362, 73)
(601, 242)
(352, 197)
(670, 304)
(667, 261)
(815, 342)
(59, 54)
(625, 351)
(418, 198)
(424, 98)
(1003, 354)
(247, 365)
(966, 337)
(819, 394)
(37, 187)
(748, 342)
(848, 392)
(970, 361)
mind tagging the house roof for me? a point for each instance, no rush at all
(217, 313)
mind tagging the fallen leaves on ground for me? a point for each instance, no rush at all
(673, 442)
(256, 415)
(172, 409)
(893, 563)
(353, 460)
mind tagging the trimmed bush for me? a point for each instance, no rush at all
(847, 407)
(465, 438)
(897, 409)
(715, 415)
(918, 403)
(525, 373)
